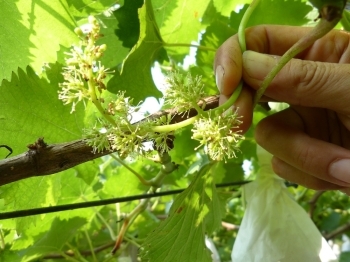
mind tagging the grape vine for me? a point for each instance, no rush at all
(101, 59)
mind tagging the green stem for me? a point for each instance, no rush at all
(96, 101)
(133, 240)
(205, 48)
(172, 127)
(76, 254)
(128, 221)
(243, 25)
(167, 168)
(198, 109)
(98, 214)
(230, 101)
(91, 83)
(345, 22)
(90, 246)
(2, 240)
(300, 196)
(242, 44)
(322, 28)
(110, 230)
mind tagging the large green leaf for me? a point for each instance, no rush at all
(287, 12)
(184, 146)
(54, 240)
(25, 194)
(29, 109)
(225, 7)
(121, 182)
(62, 188)
(128, 30)
(194, 213)
(135, 76)
(116, 52)
(29, 33)
(179, 23)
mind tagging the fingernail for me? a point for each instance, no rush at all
(219, 76)
(257, 65)
(341, 170)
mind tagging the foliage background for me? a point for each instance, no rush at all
(34, 36)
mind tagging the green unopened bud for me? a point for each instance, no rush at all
(103, 48)
(79, 32)
(98, 55)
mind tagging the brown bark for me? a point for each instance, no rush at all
(49, 160)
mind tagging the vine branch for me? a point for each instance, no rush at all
(55, 158)
(340, 230)
(83, 252)
(313, 202)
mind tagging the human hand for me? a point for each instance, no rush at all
(310, 140)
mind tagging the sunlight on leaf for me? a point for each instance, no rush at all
(54, 240)
(84, 8)
(31, 109)
(179, 22)
(25, 194)
(194, 213)
(29, 33)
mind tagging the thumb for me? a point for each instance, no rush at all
(301, 82)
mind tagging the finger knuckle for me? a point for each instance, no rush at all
(307, 77)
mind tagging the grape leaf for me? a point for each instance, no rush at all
(30, 109)
(184, 146)
(344, 256)
(25, 194)
(9, 255)
(29, 33)
(179, 23)
(54, 240)
(88, 171)
(128, 30)
(135, 76)
(121, 182)
(84, 8)
(62, 188)
(194, 213)
(225, 7)
(215, 34)
(115, 52)
(288, 12)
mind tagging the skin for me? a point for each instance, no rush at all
(314, 132)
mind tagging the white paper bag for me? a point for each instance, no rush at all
(274, 227)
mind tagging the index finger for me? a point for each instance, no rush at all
(228, 66)
(274, 40)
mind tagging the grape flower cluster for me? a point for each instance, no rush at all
(84, 80)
